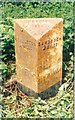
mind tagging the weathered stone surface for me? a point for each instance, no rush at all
(38, 48)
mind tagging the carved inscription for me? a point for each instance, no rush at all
(49, 43)
(29, 45)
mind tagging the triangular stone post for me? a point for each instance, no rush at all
(38, 48)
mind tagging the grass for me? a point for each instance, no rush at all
(61, 106)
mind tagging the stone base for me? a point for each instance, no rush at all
(50, 92)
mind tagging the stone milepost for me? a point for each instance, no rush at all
(38, 48)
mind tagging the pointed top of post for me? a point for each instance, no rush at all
(37, 27)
